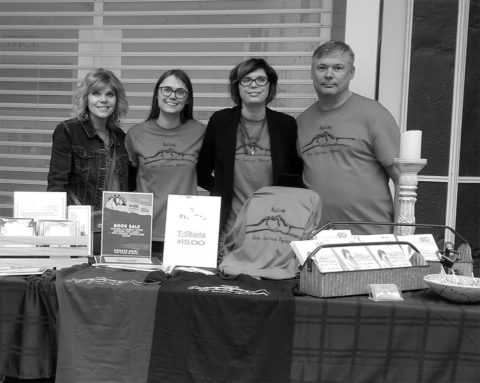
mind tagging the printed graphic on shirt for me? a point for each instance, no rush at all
(252, 149)
(275, 224)
(103, 281)
(327, 139)
(227, 289)
(169, 155)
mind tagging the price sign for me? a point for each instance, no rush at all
(191, 233)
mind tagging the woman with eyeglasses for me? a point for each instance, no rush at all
(248, 146)
(164, 148)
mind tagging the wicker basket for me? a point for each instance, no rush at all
(344, 283)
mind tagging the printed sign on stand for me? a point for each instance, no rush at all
(191, 234)
(127, 227)
(40, 205)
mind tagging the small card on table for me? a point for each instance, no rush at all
(385, 292)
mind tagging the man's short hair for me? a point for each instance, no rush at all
(333, 47)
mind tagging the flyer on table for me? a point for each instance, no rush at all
(127, 227)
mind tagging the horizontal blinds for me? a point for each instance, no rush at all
(46, 47)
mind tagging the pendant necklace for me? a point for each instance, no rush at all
(250, 144)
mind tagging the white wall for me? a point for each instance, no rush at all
(361, 33)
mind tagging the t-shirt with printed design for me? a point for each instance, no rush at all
(166, 160)
(345, 152)
(251, 170)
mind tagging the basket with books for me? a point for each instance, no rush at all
(336, 263)
(324, 282)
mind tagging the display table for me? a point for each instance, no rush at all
(196, 328)
(422, 339)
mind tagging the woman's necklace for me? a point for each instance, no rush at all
(250, 143)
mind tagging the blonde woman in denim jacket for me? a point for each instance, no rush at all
(85, 147)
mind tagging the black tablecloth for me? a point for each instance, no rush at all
(28, 313)
(208, 329)
(105, 326)
(352, 339)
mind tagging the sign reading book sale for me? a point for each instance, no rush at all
(191, 233)
(127, 227)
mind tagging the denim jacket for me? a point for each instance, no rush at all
(79, 162)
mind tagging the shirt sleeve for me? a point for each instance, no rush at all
(386, 137)
(206, 158)
(60, 160)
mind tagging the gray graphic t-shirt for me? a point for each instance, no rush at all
(166, 161)
(259, 242)
(345, 152)
(253, 169)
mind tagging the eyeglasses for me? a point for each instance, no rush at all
(260, 81)
(180, 93)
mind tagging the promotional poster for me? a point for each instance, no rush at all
(127, 227)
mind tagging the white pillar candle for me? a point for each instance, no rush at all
(411, 145)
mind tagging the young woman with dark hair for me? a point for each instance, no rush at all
(164, 148)
(248, 146)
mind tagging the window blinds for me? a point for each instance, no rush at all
(47, 46)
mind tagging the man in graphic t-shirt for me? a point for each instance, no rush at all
(347, 143)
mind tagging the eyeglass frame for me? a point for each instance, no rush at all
(174, 91)
(254, 80)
